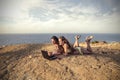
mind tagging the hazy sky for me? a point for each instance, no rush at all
(59, 16)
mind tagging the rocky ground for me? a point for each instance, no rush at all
(25, 62)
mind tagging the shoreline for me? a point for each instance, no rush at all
(9, 39)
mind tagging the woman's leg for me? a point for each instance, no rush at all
(88, 40)
(88, 49)
(76, 43)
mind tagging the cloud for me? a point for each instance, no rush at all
(52, 16)
(53, 9)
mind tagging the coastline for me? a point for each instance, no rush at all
(8, 39)
(24, 61)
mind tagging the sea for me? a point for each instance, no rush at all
(11, 39)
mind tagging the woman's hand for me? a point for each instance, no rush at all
(49, 53)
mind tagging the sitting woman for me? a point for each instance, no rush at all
(75, 49)
(58, 49)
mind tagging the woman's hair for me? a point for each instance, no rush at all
(55, 39)
(65, 41)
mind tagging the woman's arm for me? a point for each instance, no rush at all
(65, 49)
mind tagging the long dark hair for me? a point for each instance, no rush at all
(55, 39)
(65, 41)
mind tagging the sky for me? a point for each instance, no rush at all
(59, 16)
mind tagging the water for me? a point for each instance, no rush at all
(8, 39)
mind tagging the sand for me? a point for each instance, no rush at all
(25, 62)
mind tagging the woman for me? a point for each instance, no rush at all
(66, 45)
(75, 49)
(58, 49)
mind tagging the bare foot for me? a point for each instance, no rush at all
(88, 39)
(77, 37)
